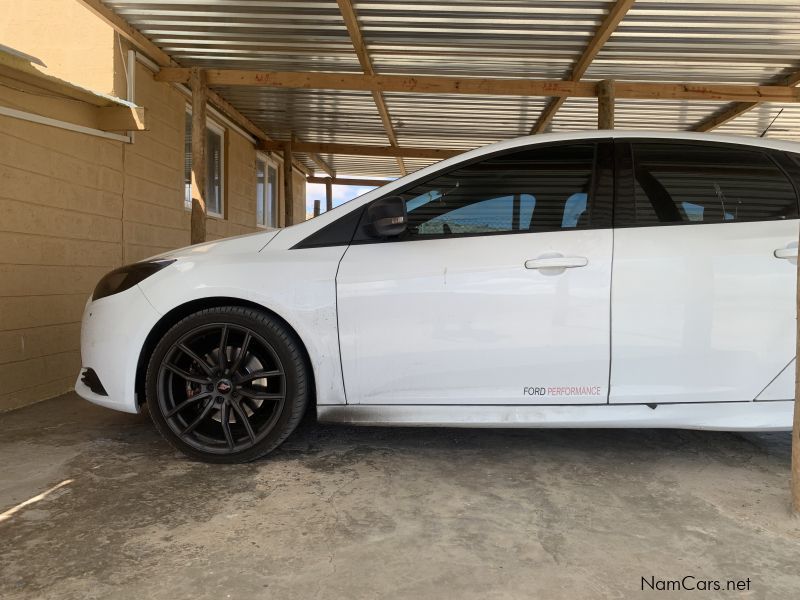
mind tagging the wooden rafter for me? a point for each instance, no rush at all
(162, 59)
(728, 114)
(314, 156)
(351, 22)
(607, 27)
(737, 109)
(234, 115)
(349, 181)
(429, 84)
(361, 150)
(130, 33)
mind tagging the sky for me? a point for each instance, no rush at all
(341, 194)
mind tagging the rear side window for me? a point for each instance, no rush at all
(686, 183)
(544, 189)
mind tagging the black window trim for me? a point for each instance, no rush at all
(625, 196)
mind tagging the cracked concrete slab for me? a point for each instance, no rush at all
(345, 512)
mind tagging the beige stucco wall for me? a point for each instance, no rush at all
(74, 44)
(61, 229)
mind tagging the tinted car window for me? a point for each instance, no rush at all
(677, 183)
(542, 189)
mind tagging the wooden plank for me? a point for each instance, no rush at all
(605, 104)
(163, 59)
(429, 84)
(130, 33)
(234, 115)
(198, 220)
(122, 118)
(360, 150)
(349, 181)
(328, 194)
(607, 27)
(324, 166)
(547, 115)
(318, 160)
(728, 114)
(288, 185)
(351, 22)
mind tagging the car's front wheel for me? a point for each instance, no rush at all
(227, 384)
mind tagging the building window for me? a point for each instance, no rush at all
(266, 192)
(215, 166)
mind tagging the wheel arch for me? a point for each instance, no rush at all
(184, 310)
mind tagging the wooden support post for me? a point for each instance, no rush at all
(328, 194)
(288, 185)
(198, 221)
(796, 422)
(316, 208)
(605, 104)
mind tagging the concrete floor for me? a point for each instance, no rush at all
(342, 512)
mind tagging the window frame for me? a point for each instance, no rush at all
(221, 131)
(625, 188)
(599, 206)
(268, 162)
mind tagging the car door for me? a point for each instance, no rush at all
(497, 293)
(705, 249)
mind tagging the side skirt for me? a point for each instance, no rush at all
(719, 416)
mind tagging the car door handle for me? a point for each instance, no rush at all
(557, 262)
(786, 253)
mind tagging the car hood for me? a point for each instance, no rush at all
(240, 244)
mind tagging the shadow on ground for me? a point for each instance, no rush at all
(344, 512)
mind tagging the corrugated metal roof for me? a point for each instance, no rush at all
(683, 40)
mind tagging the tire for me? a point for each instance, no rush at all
(199, 379)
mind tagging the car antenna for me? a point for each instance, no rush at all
(763, 133)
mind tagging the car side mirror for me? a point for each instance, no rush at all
(387, 217)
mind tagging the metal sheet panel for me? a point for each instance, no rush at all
(659, 40)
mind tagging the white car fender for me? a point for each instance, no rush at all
(297, 285)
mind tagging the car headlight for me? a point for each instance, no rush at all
(128, 276)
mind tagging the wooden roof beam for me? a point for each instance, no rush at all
(728, 114)
(316, 158)
(361, 150)
(162, 59)
(737, 109)
(349, 181)
(130, 33)
(351, 22)
(429, 84)
(604, 31)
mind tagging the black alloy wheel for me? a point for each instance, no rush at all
(227, 384)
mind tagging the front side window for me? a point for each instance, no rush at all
(539, 189)
(215, 145)
(266, 193)
(685, 183)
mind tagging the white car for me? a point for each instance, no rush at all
(601, 279)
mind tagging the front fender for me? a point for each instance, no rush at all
(297, 285)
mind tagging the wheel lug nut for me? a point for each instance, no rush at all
(218, 398)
